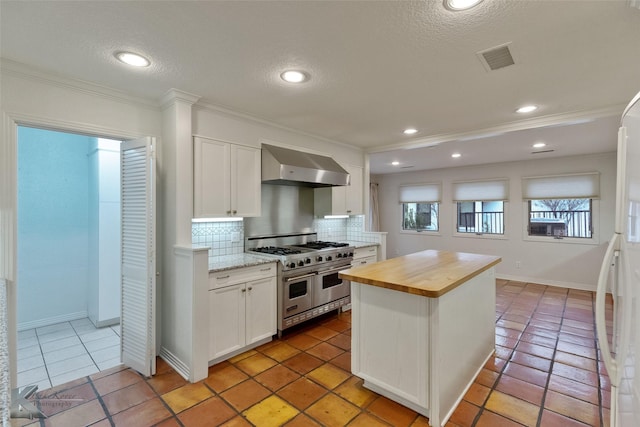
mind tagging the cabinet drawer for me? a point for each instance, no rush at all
(367, 251)
(365, 260)
(218, 279)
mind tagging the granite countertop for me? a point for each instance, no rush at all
(229, 262)
(427, 273)
(360, 244)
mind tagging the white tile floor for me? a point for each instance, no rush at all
(59, 353)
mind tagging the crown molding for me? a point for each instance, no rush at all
(27, 72)
(204, 105)
(563, 119)
(174, 95)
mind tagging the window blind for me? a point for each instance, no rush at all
(490, 190)
(573, 186)
(420, 193)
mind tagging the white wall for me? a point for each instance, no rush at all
(104, 219)
(555, 262)
(32, 97)
(53, 227)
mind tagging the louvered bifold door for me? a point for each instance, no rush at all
(138, 285)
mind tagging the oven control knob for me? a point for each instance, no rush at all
(300, 263)
(307, 260)
(350, 254)
(329, 258)
(319, 259)
(292, 265)
(339, 255)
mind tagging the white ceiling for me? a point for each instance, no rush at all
(376, 67)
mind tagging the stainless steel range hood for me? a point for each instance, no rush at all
(291, 167)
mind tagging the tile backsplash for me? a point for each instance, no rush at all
(224, 238)
(227, 238)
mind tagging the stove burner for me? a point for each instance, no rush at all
(322, 245)
(274, 250)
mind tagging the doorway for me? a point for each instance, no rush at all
(68, 297)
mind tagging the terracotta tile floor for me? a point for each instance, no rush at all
(546, 372)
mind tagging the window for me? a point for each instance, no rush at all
(481, 217)
(561, 205)
(420, 206)
(560, 218)
(420, 216)
(480, 206)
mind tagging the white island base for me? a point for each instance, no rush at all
(423, 352)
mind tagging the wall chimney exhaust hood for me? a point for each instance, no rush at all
(291, 167)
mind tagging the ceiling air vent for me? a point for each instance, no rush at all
(496, 57)
(543, 151)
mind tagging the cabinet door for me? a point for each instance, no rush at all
(261, 309)
(355, 191)
(211, 179)
(227, 320)
(246, 178)
(338, 200)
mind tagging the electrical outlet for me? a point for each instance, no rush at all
(518, 264)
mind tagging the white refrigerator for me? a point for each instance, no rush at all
(622, 356)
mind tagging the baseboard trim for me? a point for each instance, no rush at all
(107, 322)
(52, 320)
(177, 364)
(556, 283)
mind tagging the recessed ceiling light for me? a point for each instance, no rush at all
(539, 145)
(456, 155)
(410, 131)
(456, 5)
(294, 76)
(395, 163)
(133, 59)
(526, 109)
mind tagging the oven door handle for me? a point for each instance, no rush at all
(291, 279)
(334, 269)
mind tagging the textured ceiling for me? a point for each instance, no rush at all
(376, 67)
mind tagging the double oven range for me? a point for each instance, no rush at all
(308, 282)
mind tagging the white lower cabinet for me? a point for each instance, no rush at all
(365, 255)
(227, 320)
(242, 311)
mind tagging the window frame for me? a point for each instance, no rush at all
(595, 229)
(432, 190)
(479, 235)
(581, 185)
(488, 190)
(420, 231)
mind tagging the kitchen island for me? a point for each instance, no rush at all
(423, 326)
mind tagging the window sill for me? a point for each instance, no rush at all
(421, 233)
(481, 236)
(594, 241)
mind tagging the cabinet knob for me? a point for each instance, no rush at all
(244, 290)
(228, 212)
(250, 288)
(235, 211)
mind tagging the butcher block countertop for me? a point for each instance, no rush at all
(428, 273)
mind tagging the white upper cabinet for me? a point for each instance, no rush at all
(347, 200)
(226, 179)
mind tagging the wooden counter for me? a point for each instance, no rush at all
(428, 273)
(423, 326)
